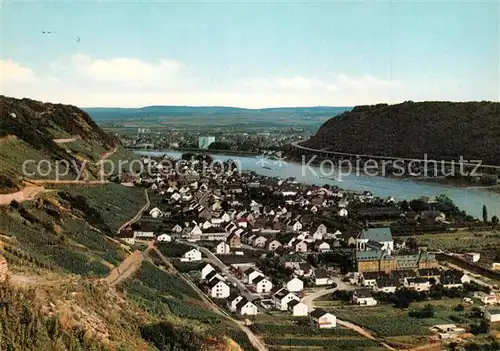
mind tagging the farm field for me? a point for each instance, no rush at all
(461, 241)
(395, 325)
(283, 332)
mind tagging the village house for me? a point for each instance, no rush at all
(273, 245)
(295, 285)
(304, 270)
(127, 235)
(234, 240)
(164, 238)
(282, 297)
(260, 241)
(323, 319)
(213, 275)
(233, 300)
(323, 247)
(262, 285)
(298, 308)
(177, 229)
(301, 246)
(250, 274)
(291, 261)
(155, 213)
(218, 289)
(492, 315)
(191, 255)
(246, 308)
(381, 236)
(222, 248)
(386, 285)
(342, 212)
(487, 299)
(453, 279)
(321, 278)
(363, 297)
(418, 283)
(206, 270)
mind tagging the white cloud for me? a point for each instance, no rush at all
(83, 80)
(365, 82)
(12, 72)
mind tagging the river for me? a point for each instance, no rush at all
(469, 199)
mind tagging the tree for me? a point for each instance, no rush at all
(495, 220)
(485, 214)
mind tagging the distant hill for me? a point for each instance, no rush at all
(108, 114)
(442, 130)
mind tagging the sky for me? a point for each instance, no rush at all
(250, 54)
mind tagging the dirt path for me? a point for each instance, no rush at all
(138, 214)
(126, 269)
(66, 140)
(26, 194)
(256, 342)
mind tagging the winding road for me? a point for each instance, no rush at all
(138, 214)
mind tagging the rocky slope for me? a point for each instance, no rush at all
(442, 130)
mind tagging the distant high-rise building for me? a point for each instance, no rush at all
(205, 141)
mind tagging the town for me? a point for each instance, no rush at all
(261, 247)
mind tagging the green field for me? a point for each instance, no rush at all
(388, 321)
(282, 331)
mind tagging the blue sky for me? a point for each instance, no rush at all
(250, 54)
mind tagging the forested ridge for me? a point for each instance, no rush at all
(442, 130)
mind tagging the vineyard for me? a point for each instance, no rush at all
(46, 238)
(328, 343)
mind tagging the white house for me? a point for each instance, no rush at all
(262, 285)
(206, 225)
(273, 245)
(260, 241)
(298, 308)
(177, 229)
(382, 236)
(282, 297)
(342, 212)
(363, 297)
(250, 274)
(219, 289)
(418, 283)
(472, 256)
(164, 238)
(321, 278)
(196, 230)
(492, 315)
(206, 270)
(191, 255)
(222, 248)
(233, 300)
(323, 247)
(386, 285)
(323, 319)
(175, 197)
(295, 285)
(246, 308)
(155, 212)
(297, 226)
(301, 246)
